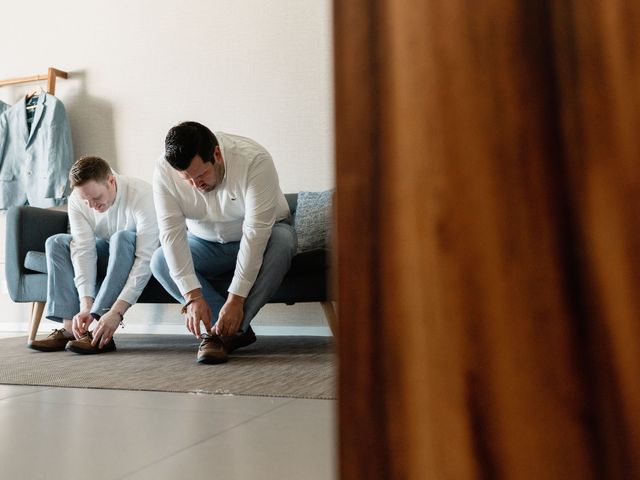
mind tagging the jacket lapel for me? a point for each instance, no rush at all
(39, 111)
(20, 124)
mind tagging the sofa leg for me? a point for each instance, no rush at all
(332, 317)
(36, 314)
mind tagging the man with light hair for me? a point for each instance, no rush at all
(100, 269)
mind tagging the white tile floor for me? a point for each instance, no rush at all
(69, 433)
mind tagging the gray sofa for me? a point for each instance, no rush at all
(28, 228)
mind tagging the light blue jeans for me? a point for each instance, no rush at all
(115, 259)
(211, 259)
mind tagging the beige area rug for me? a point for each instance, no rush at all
(299, 367)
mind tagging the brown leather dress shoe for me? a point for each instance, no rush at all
(235, 342)
(83, 346)
(55, 342)
(211, 350)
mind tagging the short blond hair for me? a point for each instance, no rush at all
(89, 168)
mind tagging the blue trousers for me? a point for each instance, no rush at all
(211, 259)
(115, 259)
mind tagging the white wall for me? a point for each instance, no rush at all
(254, 68)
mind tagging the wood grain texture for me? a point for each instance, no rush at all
(598, 64)
(358, 232)
(486, 169)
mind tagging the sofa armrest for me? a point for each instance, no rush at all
(292, 200)
(27, 229)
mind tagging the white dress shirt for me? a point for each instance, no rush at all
(132, 210)
(243, 207)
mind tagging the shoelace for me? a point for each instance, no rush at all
(206, 338)
(86, 335)
(56, 330)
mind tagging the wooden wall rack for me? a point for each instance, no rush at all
(50, 77)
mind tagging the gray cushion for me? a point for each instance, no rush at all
(313, 219)
(36, 261)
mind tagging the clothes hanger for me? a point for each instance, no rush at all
(34, 93)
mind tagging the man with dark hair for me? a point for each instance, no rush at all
(100, 269)
(220, 209)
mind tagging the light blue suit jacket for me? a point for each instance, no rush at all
(3, 131)
(34, 165)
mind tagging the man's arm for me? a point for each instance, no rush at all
(173, 234)
(175, 246)
(83, 259)
(144, 216)
(260, 210)
(261, 200)
(83, 249)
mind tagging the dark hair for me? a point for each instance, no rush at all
(185, 141)
(89, 168)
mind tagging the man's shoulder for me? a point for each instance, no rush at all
(131, 180)
(239, 145)
(160, 161)
(75, 202)
(76, 207)
(133, 184)
(161, 169)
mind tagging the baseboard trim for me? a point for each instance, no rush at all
(174, 329)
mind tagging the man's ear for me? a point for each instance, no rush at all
(217, 153)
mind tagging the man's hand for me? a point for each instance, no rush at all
(197, 311)
(108, 324)
(80, 323)
(231, 315)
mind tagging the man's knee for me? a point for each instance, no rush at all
(57, 243)
(158, 262)
(123, 237)
(283, 240)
